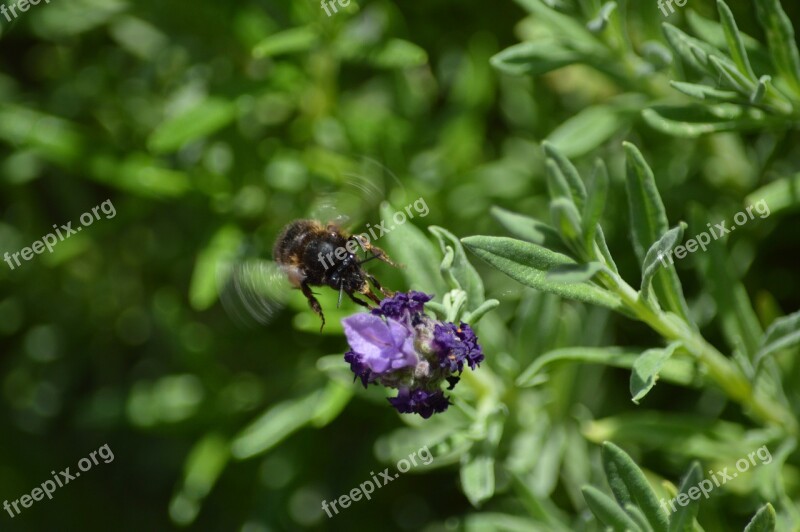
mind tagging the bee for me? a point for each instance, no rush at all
(311, 253)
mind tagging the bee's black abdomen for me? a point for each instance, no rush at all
(291, 243)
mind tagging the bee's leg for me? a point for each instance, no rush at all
(312, 302)
(356, 300)
(377, 253)
(374, 281)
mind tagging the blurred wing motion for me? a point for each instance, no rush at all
(253, 291)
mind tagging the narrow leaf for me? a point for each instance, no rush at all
(198, 121)
(676, 371)
(784, 333)
(595, 203)
(534, 58)
(607, 512)
(570, 173)
(781, 39)
(764, 520)
(646, 370)
(636, 484)
(529, 229)
(464, 273)
(528, 264)
(649, 222)
(574, 273)
(735, 40)
(683, 519)
(658, 254)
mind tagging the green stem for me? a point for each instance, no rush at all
(719, 368)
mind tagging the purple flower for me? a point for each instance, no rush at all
(402, 305)
(377, 346)
(419, 402)
(457, 345)
(398, 346)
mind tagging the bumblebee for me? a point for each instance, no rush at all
(313, 254)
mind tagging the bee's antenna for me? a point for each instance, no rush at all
(341, 289)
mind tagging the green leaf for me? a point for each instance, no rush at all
(607, 511)
(649, 222)
(740, 324)
(565, 26)
(704, 92)
(600, 240)
(200, 120)
(595, 204)
(692, 121)
(655, 256)
(692, 51)
(288, 41)
(570, 174)
(529, 229)
(393, 54)
(274, 426)
(676, 371)
(623, 471)
(683, 519)
(528, 264)
(646, 370)
(600, 22)
(587, 130)
(533, 58)
(574, 273)
(464, 273)
(204, 464)
(332, 401)
(735, 41)
(781, 40)
(203, 289)
(779, 196)
(567, 220)
(638, 516)
(411, 248)
(764, 520)
(477, 477)
(730, 75)
(784, 333)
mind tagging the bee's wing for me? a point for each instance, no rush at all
(254, 290)
(357, 192)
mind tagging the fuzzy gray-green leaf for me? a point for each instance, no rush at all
(764, 520)
(529, 229)
(529, 264)
(784, 333)
(595, 203)
(607, 511)
(569, 172)
(682, 520)
(655, 256)
(781, 39)
(649, 223)
(638, 490)
(734, 39)
(646, 370)
(464, 273)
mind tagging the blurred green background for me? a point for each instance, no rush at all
(210, 125)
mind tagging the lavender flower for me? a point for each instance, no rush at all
(398, 346)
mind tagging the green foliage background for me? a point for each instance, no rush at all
(210, 125)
